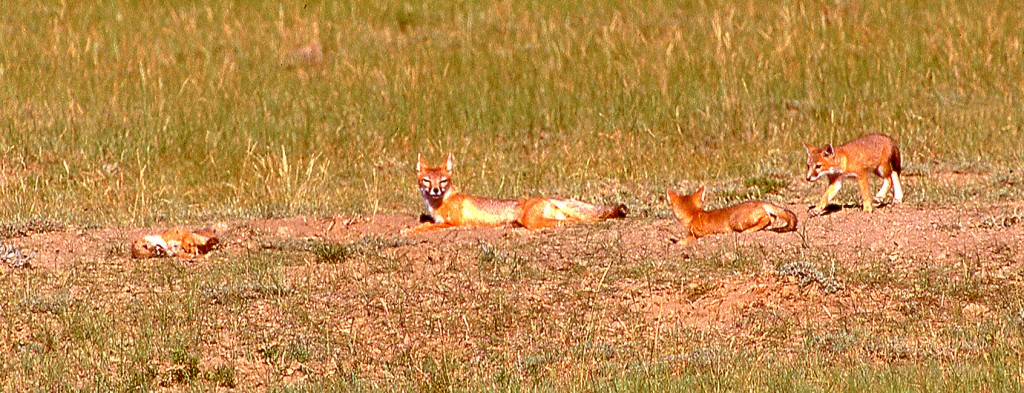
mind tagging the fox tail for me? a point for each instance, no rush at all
(583, 211)
(779, 212)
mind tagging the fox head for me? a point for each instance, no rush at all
(821, 162)
(149, 247)
(205, 240)
(434, 182)
(686, 207)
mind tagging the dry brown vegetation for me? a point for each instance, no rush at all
(293, 129)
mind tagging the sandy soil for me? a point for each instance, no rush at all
(631, 270)
(902, 235)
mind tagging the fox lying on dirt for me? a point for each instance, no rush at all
(749, 216)
(449, 208)
(873, 153)
(175, 242)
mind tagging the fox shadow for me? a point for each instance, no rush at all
(835, 207)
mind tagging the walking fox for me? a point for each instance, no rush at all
(175, 242)
(873, 153)
(749, 216)
(448, 207)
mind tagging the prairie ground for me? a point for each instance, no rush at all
(293, 129)
(902, 298)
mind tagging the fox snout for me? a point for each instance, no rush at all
(433, 191)
(816, 171)
(433, 188)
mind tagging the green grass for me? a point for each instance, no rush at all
(122, 112)
(129, 113)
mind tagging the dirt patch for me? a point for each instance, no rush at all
(352, 293)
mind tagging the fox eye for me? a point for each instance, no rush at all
(817, 166)
(444, 180)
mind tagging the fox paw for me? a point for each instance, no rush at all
(814, 211)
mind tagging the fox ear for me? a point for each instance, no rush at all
(827, 152)
(810, 149)
(420, 164)
(450, 163)
(676, 203)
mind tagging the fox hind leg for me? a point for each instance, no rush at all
(884, 190)
(897, 189)
(532, 223)
(865, 191)
(763, 221)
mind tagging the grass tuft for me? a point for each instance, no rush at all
(807, 273)
(12, 230)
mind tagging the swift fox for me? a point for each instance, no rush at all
(448, 207)
(749, 216)
(873, 153)
(175, 242)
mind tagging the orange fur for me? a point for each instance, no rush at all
(873, 153)
(749, 216)
(178, 242)
(448, 208)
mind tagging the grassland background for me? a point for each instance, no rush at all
(131, 112)
(150, 113)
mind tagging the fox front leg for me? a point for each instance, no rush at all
(834, 185)
(689, 239)
(424, 227)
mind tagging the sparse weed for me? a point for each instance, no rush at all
(118, 249)
(24, 228)
(698, 290)
(1005, 219)
(368, 246)
(806, 273)
(889, 348)
(223, 375)
(327, 252)
(766, 184)
(830, 342)
(256, 275)
(56, 305)
(12, 256)
(507, 265)
(185, 366)
(729, 259)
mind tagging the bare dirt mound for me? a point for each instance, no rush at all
(357, 296)
(900, 236)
